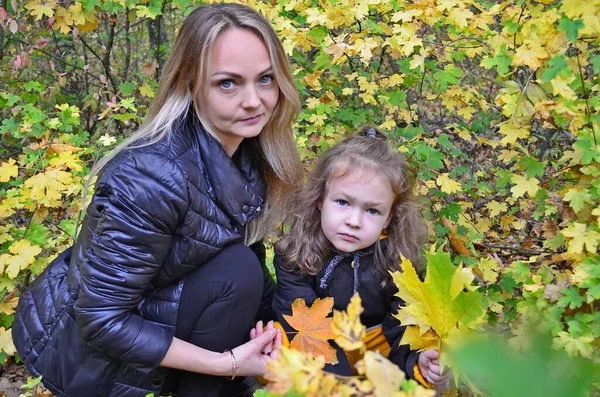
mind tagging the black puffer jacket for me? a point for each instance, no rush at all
(101, 318)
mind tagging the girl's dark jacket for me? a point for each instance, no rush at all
(379, 304)
(101, 317)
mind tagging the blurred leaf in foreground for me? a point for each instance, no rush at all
(541, 371)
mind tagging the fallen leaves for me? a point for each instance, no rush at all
(314, 328)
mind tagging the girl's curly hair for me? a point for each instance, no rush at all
(305, 248)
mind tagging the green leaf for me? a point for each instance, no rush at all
(450, 75)
(595, 61)
(36, 234)
(532, 167)
(501, 60)
(570, 27)
(127, 88)
(577, 198)
(557, 65)
(33, 86)
(571, 298)
(540, 372)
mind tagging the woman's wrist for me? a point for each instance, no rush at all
(223, 365)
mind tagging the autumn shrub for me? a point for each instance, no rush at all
(496, 101)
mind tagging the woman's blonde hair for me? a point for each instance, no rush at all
(185, 79)
(305, 248)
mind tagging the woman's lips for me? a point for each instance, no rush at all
(252, 120)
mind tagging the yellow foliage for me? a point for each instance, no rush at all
(23, 255)
(447, 184)
(347, 327)
(48, 187)
(8, 170)
(6, 342)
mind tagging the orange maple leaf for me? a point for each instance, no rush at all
(314, 328)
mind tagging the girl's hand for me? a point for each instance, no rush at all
(429, 365)
(252, 357)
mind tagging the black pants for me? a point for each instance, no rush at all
(218, 305)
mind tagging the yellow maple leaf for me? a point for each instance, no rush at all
(8, 307)
(489, 269)
(67, 159)
(579, 236)
(531, 55)
(496, 208)
(293, 369)
(418, 342)
(560, 86)
(460, 17)
(507, 156)
(437, 304)
(6, 342)
(418, 61)
(574, 345)
(447, 184)
(523, 185)
(349, 331)
(23, 255)
(41, 8)
(76, 14)
(513, 132)
(62, 21)
(314, 328)
(47, 188)
(147, 91)
(8, 170)
(385, 376)
(369, 87)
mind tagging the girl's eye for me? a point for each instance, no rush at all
(373, 211)
(227, 84)
(341, 202)
(266, 79)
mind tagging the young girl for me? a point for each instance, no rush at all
(355, 217)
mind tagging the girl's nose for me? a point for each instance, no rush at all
(354, 218)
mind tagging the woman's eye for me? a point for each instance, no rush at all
(373, 211)
(341, 202)
(227, 84)
(266, 79)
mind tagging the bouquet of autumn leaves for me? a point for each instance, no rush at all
(438, 311)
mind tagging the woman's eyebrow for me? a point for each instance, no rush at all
(238, 76)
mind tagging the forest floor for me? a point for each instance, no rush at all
(11, 379)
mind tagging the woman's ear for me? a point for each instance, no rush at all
(319, 205)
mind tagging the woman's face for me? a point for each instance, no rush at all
(242, 90)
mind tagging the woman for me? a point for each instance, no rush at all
(161, 275)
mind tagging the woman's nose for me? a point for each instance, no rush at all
(251, 99)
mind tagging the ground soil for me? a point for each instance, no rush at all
(12, 377)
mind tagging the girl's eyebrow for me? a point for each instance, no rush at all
(238, 76)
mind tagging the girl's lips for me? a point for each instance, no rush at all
(348, 237)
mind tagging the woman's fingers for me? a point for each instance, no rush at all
(268, 348)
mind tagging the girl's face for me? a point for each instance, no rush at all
(242, 91)
(356, 209)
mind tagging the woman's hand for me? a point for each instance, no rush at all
(429, 365)
(265, 345)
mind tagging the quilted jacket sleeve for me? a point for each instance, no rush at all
(401, 355)
(138, 204)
